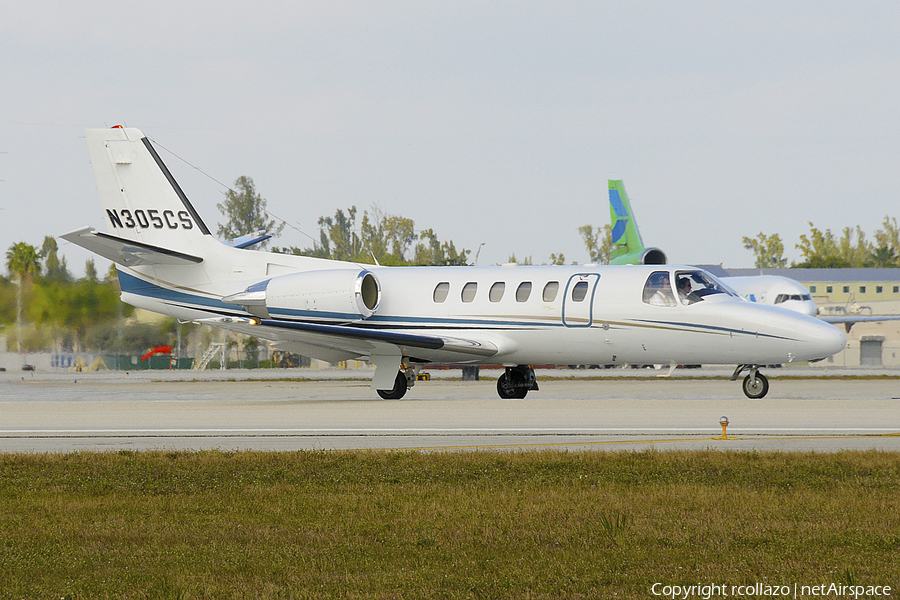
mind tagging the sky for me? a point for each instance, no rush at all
(494, 123)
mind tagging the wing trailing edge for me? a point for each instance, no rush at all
(367, 334)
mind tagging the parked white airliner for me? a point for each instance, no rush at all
(401, 318)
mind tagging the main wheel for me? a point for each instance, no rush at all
(399, 389)
(511, 385)
(756, 387)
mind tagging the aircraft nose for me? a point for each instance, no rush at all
(825, 339)
(809, 308)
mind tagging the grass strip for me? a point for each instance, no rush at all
(539, 524)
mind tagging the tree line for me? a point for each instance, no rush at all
(824, 249)
(52, 309)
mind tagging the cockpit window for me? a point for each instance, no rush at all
(694, 286)
(782, 298)
(658, 289)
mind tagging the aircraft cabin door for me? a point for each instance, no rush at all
(578, 302)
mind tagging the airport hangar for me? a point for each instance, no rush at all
(849, 292)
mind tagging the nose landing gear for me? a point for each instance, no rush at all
(756, 385)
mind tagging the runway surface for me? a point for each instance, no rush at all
(601, 410)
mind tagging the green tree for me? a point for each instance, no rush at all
(768, 250)
(557, 259)
(824, 250)
(90, 270)
(345, 243)
(883, 257)
(246, 212)
(855, 253)
(431, 251)
(387, 238)
(23, 261)
(598, 242)
(7, 302)
(886, 249)
(71, 308)
(383, 238)
(56, 269)
(820, 250)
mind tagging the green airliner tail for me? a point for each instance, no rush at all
(628, 248)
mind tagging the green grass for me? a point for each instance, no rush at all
(466, 525)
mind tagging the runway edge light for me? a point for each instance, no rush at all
(724, 423)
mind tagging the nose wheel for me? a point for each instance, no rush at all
(756, 385)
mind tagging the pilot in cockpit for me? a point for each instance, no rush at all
(684, 290)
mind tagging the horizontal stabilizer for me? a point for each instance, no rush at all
(128, 253)
(246, 241)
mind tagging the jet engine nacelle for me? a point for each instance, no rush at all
(644, 256)
(335, 294)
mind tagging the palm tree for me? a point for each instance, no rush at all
(23, 260)
(883, 256)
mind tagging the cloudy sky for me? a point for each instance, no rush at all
(490, 122)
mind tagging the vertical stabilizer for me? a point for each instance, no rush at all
(628, 247)
(141, 200)
(625, 235)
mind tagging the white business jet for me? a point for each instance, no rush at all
(401, 318)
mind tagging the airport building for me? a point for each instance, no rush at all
(849, 292)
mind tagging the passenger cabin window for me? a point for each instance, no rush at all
(468, 291)
(523, 292)
(441, 290)
(550, 291)
(496, 292)
(579, 291)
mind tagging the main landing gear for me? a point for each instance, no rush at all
(406, 378)
(516, 382)
(755, 385)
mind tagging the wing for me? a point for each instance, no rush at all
(360, 341)
(850, 321)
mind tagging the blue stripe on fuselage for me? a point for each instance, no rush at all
(141, 287)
